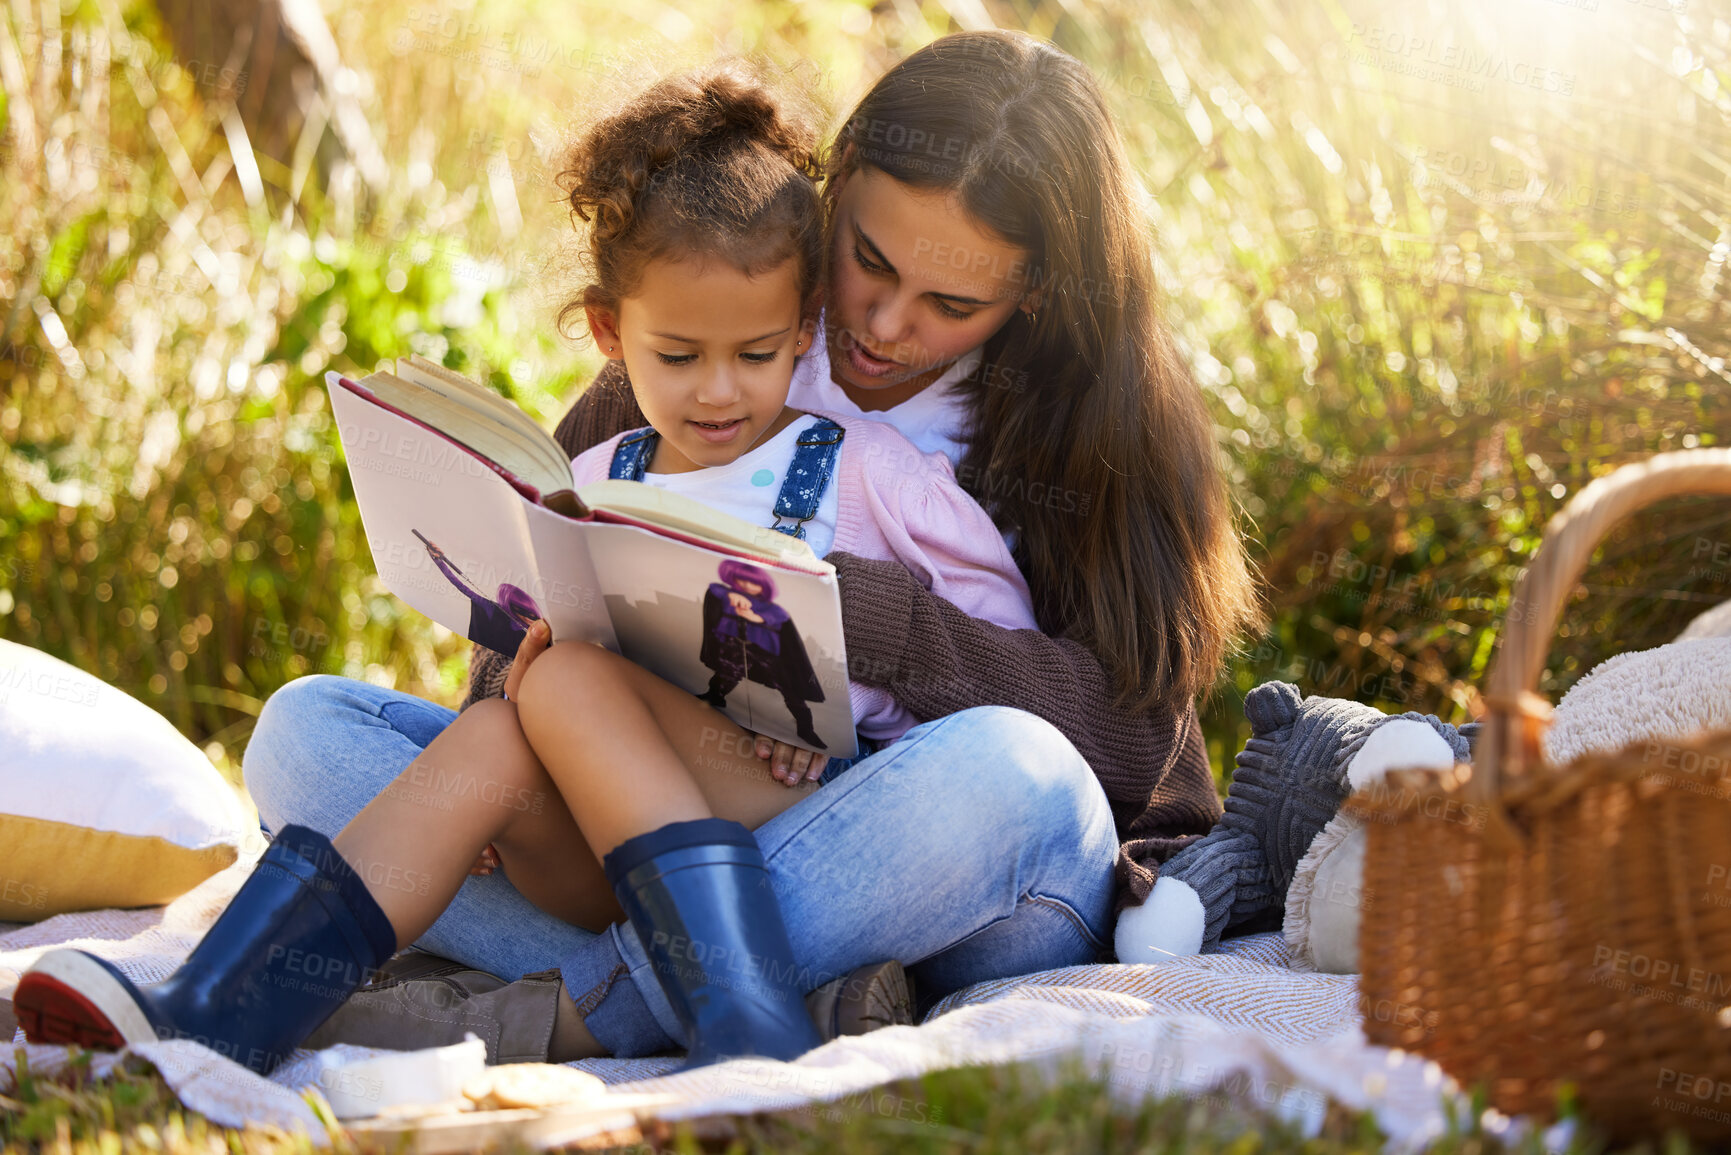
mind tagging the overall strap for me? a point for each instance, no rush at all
(808, 476)
(631, 456)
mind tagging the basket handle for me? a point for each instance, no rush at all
(1508, 744)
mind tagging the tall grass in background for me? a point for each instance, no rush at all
(1441, 264)
(172, 516)
(1426, 310)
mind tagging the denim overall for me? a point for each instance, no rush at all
(801, 491)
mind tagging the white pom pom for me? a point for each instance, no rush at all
(1398, 744)
(1167, 926)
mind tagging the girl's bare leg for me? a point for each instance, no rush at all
(631, 752)
(477, 782)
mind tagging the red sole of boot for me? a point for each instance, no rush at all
(52, 1012)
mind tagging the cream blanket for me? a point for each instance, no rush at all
(1240, 1025)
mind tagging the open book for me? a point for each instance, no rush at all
(474, 519)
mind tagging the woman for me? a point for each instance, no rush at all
(990, 296)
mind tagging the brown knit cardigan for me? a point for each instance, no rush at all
(936, 660)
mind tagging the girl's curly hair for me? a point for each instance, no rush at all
(705, 163)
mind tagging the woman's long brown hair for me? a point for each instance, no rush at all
(1091, 438)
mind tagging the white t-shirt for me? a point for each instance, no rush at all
(935, 419)
(748, 486)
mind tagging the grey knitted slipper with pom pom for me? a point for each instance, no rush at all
(1289, 781)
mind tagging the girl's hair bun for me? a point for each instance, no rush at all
(708, 161)
(738, 108)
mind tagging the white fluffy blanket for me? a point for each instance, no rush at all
(1673, 691)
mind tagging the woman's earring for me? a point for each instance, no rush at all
(1032, 315)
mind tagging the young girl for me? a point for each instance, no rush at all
(706, 247)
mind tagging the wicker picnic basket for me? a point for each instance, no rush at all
(1535, 928)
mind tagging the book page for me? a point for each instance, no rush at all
(489, 406)
(767, 647)
(634, 501)
(454, 540)
(459, 420)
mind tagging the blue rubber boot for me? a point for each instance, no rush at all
(700, 897)
(300, 935)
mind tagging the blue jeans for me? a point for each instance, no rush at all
(977, 846)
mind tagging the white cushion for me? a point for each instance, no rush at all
(102, 802)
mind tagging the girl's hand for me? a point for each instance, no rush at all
(488, 862)
(790, 765)
(533, 645)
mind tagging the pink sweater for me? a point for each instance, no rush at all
(898, 504)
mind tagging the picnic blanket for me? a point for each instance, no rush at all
(1242, 1025)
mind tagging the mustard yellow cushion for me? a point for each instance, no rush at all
(102, 802)
(59, 868)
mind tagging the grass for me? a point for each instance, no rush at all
(984, 1110)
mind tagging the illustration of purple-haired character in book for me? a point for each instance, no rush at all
(500, 624)
(746, 636)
